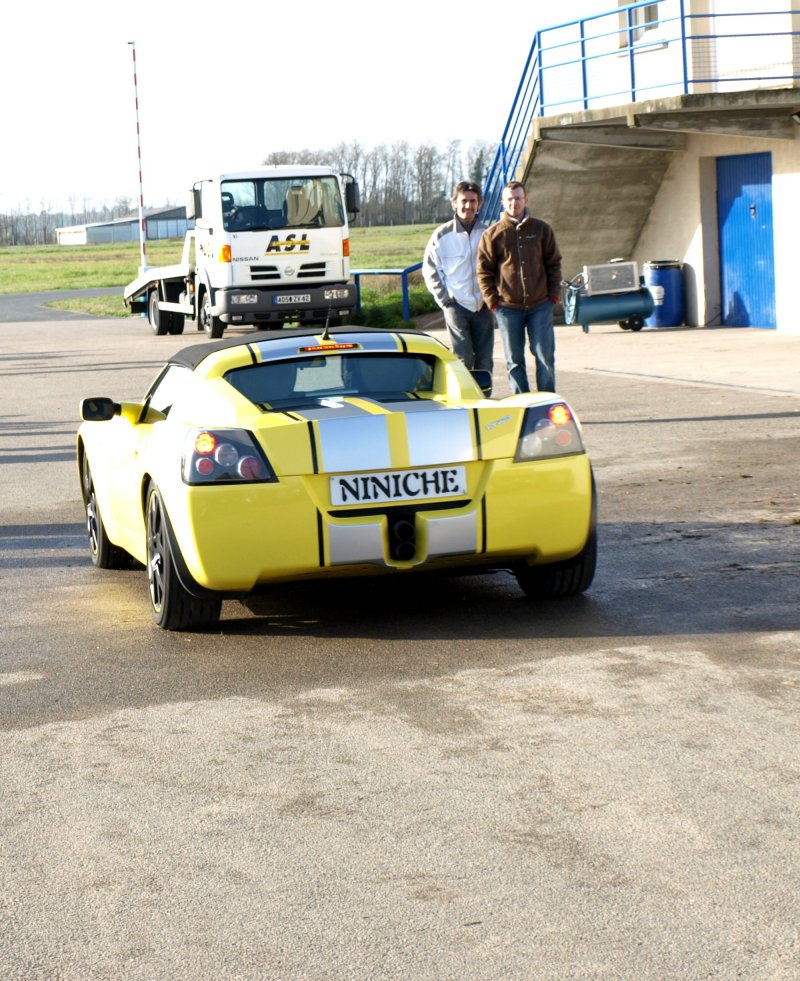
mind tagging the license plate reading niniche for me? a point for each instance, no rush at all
(294, 298)
(399, 485)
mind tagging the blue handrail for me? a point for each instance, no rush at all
(575, 61)
(402, 273)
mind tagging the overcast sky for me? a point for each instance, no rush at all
(221, 85)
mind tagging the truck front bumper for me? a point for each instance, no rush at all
(247, 306)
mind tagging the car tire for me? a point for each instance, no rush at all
(174, 608)
(568, 578)
(104, 554)
(156, 319)
(212, 326)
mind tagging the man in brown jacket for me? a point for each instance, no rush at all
(519, 274)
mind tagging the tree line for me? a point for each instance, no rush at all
(400, 184)
(25, 227)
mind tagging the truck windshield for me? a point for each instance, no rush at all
(281, 202)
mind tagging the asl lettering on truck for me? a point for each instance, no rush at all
(401, 485)
(288, 244)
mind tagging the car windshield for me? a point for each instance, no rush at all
(281, 202)
(383, 377)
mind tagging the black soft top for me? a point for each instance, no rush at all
(193, 355)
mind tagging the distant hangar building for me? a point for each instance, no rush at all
(158, 223)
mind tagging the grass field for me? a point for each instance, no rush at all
(33, 269)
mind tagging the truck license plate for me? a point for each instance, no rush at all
(294, 298)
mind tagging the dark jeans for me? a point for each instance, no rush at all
(537, 324)
(471, 335)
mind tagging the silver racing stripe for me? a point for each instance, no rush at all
(439, 437)
(453, 535)
(289, 347)
(335, 409)
(355, 443)
(349, 544)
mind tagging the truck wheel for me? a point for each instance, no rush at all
(176, 322)
(213, 326)
(156, 319)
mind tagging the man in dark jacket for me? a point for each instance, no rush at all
(519, 273)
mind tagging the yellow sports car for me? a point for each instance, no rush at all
(301, 454)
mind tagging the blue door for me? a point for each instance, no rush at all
(746, 252)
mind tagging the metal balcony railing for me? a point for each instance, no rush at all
(645, 50)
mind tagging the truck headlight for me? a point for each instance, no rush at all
(244, 298)
(336, 294)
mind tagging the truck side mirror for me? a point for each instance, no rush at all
(352, 196)
(193, 206)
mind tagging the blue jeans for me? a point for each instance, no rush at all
(537, 323)
(471, 335)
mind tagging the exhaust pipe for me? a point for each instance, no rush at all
(402, 537)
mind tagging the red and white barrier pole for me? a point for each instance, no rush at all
(142, 243)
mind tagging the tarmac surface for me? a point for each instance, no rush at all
(417, 780)
(749, 358)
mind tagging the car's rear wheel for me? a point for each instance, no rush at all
(566, 578)
(212, 325)
(174, 608)
(105, 555)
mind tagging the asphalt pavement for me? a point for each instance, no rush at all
(743, 357)
(740, 357)
(408, 779)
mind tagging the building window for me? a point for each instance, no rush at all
(634, 22)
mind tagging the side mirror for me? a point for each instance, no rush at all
(193, 207)
(352, 196)
(99, 409)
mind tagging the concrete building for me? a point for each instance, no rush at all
(158, 223)
(670, 130)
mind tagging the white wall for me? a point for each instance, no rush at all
(683, 224)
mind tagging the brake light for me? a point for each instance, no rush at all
(225, 456)
(205, 443)
(548, 431)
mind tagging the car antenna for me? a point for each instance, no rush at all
(326, 333)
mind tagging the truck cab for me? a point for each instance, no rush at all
(269, 246)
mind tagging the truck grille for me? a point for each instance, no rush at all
(264, 272)
(311, 270)
(308, 270)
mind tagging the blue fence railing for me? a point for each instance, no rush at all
(608, 59)
(402, 273)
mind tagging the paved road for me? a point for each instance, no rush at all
(402, 781)
(28, 307)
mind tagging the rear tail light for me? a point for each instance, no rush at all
(225, 456)
(548, 431)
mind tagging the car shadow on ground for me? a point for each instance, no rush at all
(653, 578)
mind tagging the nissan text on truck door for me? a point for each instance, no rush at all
(269, 247)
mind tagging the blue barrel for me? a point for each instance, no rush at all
(664, 279)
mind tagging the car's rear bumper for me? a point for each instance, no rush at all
(234, 538)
